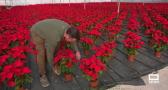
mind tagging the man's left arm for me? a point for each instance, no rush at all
(76, 49)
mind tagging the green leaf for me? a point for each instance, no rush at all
(13, 44)
(11, 60)
(131, 51)
(101, 72)
(17, 87)
(165, 47)
(155, 46)
(88, 77)
(0, 68)
(64, 69)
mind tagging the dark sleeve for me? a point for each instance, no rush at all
(75, 46)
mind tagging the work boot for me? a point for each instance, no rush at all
(44, 81)
(57, 69)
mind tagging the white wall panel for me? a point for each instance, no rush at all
(27, 2)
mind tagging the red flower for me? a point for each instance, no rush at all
(92, 67)
(104, 49)
(149, 32)
(11, 83)
(94, 32)
(157, 35)
(133, 41)
(87, 40)
(69, 64)
(18, 52)
(10, 75)
(26, 70)
(114, 30)
(17, 71)
(3, 59)
(165, 39)
(66, 59)
(65, 53)
(7, 68)
(18, 63)
(3, 76)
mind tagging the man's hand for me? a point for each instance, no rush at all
(78, 55)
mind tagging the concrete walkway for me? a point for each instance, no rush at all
(161, 85)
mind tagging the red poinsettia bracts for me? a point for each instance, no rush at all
(86, 40)
(15, 34)
(146, 20)
(92, 67)
(165, 40)
(105, 49)
(133, 40)
(3, 59)
(157, 36)
(158, 39)
(14, 41)
(149, 32)
(65, 53)
(10, 71)
(65, 59)
(94, 32)
(114, 30)
(133, 24)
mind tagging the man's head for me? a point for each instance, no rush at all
(72, 35)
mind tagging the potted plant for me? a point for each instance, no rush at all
(95, 34)
(86, 44)
(65, 59)
(149, 34)
(158, 40)
(157, 49)
(132, 42)
(104, 51)
(16, 75)
(114, 32)
(66, 66)
(23, 80)
(92, 68)
(160, 44)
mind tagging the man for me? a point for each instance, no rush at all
(46, 35)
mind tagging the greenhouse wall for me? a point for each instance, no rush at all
(28, 2)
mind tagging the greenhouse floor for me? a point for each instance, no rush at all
(161, 85)
(119, 71)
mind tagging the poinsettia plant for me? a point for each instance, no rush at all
(86, 44)
(95, 34)
(132, 42)
(133, 24)
(92, 68)
(66, 60)
(149, 32)
(160, 41)
(149, 35)
(104, 51)
(13, 69)
(113, 32)
(15, 74)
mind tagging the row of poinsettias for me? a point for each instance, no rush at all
(94, 63)
(156, 31)
(15, 36)
(132, 41)
(157, 39)
(13, 54)
(15, 46)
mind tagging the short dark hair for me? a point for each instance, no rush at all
(74, 33)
